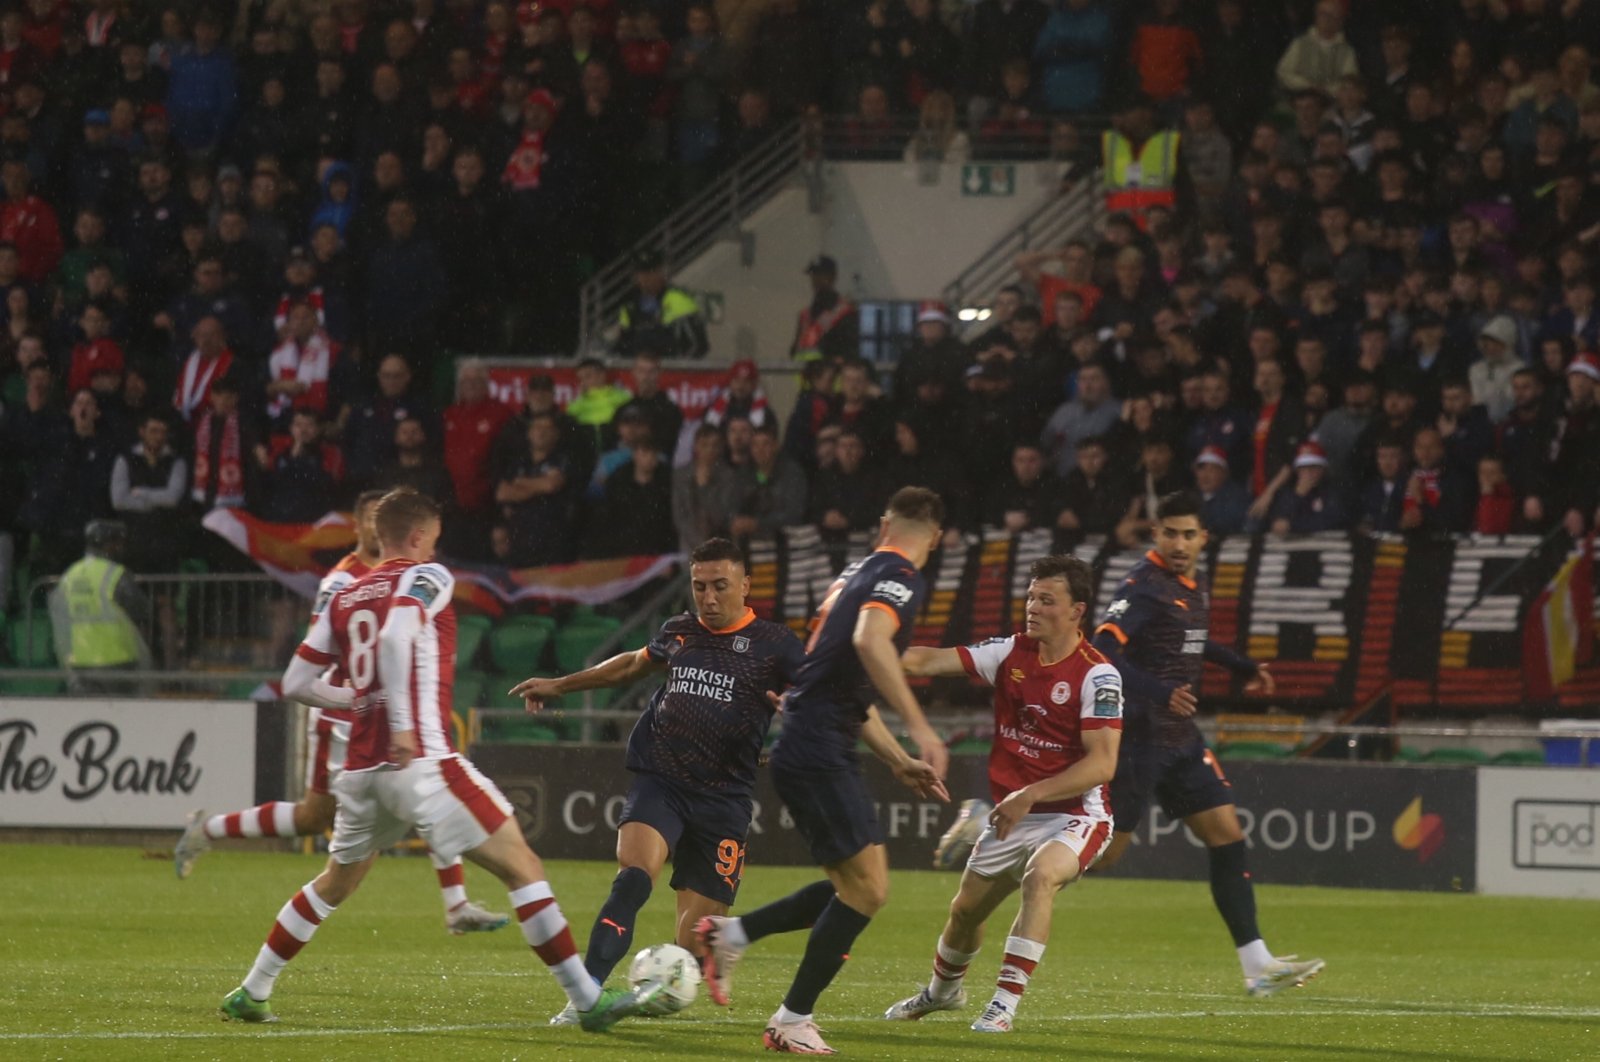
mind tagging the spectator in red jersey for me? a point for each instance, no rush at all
(300, 371)
(1077, 270)
(1280, 425)
(96, 352)
(1165, 52)
(471, 426)
(29, 223)
(301, 476)
(1497, 504)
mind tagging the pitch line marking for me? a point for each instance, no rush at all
(1266, 1010)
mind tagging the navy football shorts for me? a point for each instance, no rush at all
(705, 832)
(833, 810)
(1184, 781)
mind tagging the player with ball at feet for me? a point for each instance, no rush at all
(1058, 722)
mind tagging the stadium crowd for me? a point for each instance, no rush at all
(1367, 302)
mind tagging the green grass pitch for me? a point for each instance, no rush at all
(108, 956)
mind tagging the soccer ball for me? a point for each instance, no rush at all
(958, 841)
(675, 968)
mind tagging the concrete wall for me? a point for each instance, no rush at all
(898, 232)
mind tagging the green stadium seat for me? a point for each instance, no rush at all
(576, 641)
(1520, 758)
(470, 632)
(518, 644)
(1462, 756)
(240, 689)
(31, 687)
(469, 690)
(43, 650)
(1254, 750)
(1407, 754)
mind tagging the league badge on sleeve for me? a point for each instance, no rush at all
(424, 590)
(1107, 702)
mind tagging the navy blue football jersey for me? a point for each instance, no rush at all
(825, 710)
(1161, 621)
(706, 725)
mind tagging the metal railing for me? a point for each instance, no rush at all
(1077, 213)
(230, 626)
(716, 213)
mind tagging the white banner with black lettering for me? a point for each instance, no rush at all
(1537, 831)
(123, 762)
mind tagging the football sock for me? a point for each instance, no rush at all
(1232, 892)
(612, 935)
(297, 921)
(267, 820)
(949, 967)
(831, 939)
(1254, 958)
(798, 910)
(1022, 957)
(452, 881)
(547, 933)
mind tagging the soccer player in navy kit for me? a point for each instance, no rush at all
(857, 637)
(693, 753)
(1156, 633)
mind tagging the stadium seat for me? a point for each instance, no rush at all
(469, 689)
(517, 644)
(42, 652)
(1520, 758)
(1254, 750)
(31, 687)
(575, 641)
(1463, 756)
(471, 629)
(1407, 754)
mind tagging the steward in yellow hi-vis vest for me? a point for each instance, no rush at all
(95, 609)
(658, 316)
(1138, 163)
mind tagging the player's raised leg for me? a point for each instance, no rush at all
(957, 946)
(1234, 894)
(292, 930)
(722, 941)
(1052, 867)
(506, 855)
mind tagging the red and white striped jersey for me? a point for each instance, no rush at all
(350, 568)
(362, 626)
(1041, 712)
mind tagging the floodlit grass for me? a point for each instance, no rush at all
(108, 956)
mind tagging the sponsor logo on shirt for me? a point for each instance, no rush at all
(899, 593)
(425, 590)
(1118, 607)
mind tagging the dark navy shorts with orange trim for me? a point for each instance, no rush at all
(1183, 781)
(705, 832)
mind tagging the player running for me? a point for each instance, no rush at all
(393, 632)
(1155, 631)
(1058, 722)
(327, 737)
(693, 752)
(855, 646)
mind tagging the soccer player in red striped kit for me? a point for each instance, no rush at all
(393, 633)
(1058, 722)
(328, 736)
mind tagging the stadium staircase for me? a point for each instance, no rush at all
(1077, 214)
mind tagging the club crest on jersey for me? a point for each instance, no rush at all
(741, 644)
(1060, 693)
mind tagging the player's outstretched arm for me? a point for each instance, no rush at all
(912, 773)
(873, 640)
(302, 679)
(620, 670)
(1097, 767)
(926, 661)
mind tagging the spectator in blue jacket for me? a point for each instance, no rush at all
(404, 285)
(1071, 53)
(203, 93)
